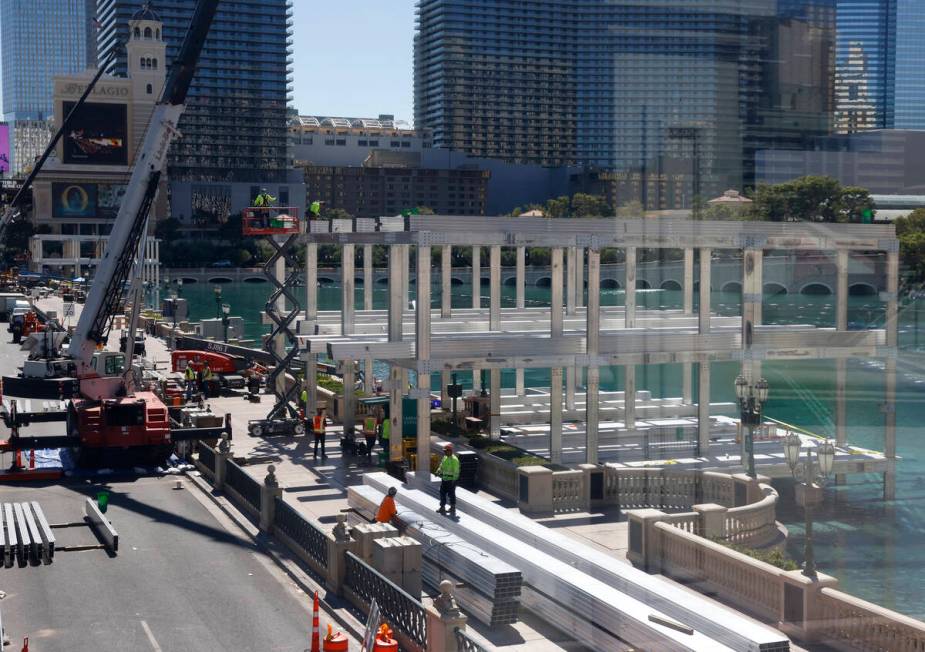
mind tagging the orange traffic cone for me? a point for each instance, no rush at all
(334, 642)
(384, 641)
(316, 627)
(25, 644)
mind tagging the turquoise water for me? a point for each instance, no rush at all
(873, 547)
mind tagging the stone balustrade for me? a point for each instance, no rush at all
(847, 623)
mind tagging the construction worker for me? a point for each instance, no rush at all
(189, 375)
(387, 507)
(384, 433)
(206, 378)
(318, 426)
(448, 472)
(370, 428)
(303, 399)
(264, 199)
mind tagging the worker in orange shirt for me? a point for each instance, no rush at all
(387, 507)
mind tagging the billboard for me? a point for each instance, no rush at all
(98, 134)
(73, 200)
(83, 200)
(5, 163)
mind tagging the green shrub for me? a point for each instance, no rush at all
(528, 460)
(774, 556)
(331, 384)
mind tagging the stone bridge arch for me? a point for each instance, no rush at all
(816, 288)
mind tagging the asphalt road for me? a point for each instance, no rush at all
(183, 579)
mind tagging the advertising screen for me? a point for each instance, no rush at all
(98, 134)
(4, 149)
(73, 200)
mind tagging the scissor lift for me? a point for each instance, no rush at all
(280, 227)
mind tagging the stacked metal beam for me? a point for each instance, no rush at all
(597, 615)
(723, 624)
(25, 535)
(492, 588)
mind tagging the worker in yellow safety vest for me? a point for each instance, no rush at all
(370, 429)
(190, 376)
(318, 426)
(448, 472)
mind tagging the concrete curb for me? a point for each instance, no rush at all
(273, 549)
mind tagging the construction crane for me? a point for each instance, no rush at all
(106, 422)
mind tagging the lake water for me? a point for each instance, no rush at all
(873, 547)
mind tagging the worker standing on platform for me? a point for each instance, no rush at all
(387, 508)
(448, 472)
(189, 375)
(264, 200)
(303, 400)
(206, 378)
(318, 427)
(369, 434)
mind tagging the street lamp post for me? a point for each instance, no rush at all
(218, 301)
(226, 311)
(810, 487)
(751, 400)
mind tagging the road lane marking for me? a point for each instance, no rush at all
(150, 635)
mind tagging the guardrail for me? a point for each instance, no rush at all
(498, 476)
(206, 458)
(302, 534)
(406, 615)
(238, 481)
(568, 494)
(465, 643)
(850, 623)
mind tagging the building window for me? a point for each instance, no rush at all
(329, 141)
(150, 89)
(148, 32)
(341, 142)
(142, 63)
(154, 63)
(374, 143)
(362, 143)
(157, 34)
(395, 143)
(406, 144)
(137, 33)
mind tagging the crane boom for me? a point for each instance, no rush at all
(117, 262)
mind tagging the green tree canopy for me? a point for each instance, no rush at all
(811, 199)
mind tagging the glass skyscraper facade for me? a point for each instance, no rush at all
(235, 126)
(675, 96)
(880, 78)
(38, 40)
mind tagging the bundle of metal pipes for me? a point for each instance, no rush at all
(491, 588)
(595, 614)
(25, 535)
(723, 624)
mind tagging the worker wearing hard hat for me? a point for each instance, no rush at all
(190, 376)
(448, 472)
(387, 507)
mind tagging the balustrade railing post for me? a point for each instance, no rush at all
(800, 611)
(443, 619)
(222, 455)
(712, 520)
(269, 492)
(339, 544)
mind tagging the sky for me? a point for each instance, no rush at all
(353, 58)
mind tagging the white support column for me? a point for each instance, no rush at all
(476, 277)
(445, 399)
(396, 386)
(476, 380)
(891, 326)
(555, 309)
(688, 283)
(555, 415)
(841, 365)
(446, 281)
(570, 388)
(348, 295)
(629, 282)
(841, 292)
(519, 388)
(687, 392)
(570, 262)
(494, 288)
(311, 378)
(369, 386)
(629, 396)
(494, 403)
(350, 406)
(706, 256)
(521, 276)
(422, 353)
(592, 340)
(405, 278)
(580, 278)
(592, 407)
(703, 408)
(311, 281)
(367, 277)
